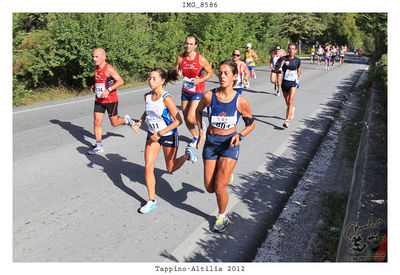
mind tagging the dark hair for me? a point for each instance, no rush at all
(233, 66)
(172, 75)
(292, 44)
(196, 41)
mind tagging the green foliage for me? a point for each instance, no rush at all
(55, 49)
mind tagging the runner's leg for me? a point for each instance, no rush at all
(150, 155)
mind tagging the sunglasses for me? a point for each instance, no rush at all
(235, 54)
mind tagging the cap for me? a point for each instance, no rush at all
(248, 45)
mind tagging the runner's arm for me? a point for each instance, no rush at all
(244, 109)
(299, 71)
(118, 81)
(173, 110)
(177, 66)
(246, 73)
(207, 67)
(142, 118)
(255, 56)
(204, 102)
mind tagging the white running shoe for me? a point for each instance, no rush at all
(96, 150)
(255, 76)
(130, 122)
(292, 113)
(193, 156)
(286, 124)
(148, 207)
(278, 93)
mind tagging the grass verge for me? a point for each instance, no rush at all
(54, 93)
(332, 212)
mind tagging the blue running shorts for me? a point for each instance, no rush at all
(217, 146)
(190, 96)
(167, 141)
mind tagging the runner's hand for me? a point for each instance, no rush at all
(196, 81)
(154, 137)
(235, 140)
(105, 94)
(201, 138)
(136, 126)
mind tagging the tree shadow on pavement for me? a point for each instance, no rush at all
(257, 118)
(263, 194)
(115, 166)
(80, 133)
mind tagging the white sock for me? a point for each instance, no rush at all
(222, 215)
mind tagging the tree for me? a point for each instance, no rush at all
(301, 26)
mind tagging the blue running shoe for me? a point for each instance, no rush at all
(148, 207)
(193, 142)
(193, 156)
(96, 150)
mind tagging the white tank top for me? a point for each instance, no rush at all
(239, 81)
(158, 117)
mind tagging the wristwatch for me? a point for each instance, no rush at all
(109, 89)
(159, 134)
(241, 137)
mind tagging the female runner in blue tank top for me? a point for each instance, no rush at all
(162, 118)
(221, 148)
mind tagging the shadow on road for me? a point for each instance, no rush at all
(115, 166)
(80, 133)
(257, 118)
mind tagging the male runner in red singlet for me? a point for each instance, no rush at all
(107, 80)
(196, 70)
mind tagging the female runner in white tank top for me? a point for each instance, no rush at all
(162, 118)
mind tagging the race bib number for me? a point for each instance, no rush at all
(155, 124)
(291, 75)
(99, 88)
(188, 84)
(222, 122)
(249, 61)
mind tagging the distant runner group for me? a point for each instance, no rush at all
(225, 105)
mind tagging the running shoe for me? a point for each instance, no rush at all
(148, 207)
(220, 224)
(278, 93)
(193, 156)
(286, 124)
(130, 122)
(247, 85)
(96, 150)
(231, 179)
(255, 76)
(193, 143)
(292, 113)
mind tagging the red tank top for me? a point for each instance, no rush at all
(190, 70)
(102, 82)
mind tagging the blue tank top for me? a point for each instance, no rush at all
(223, 115)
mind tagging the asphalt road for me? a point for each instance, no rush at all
(71, 206)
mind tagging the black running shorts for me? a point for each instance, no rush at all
(112, 108)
